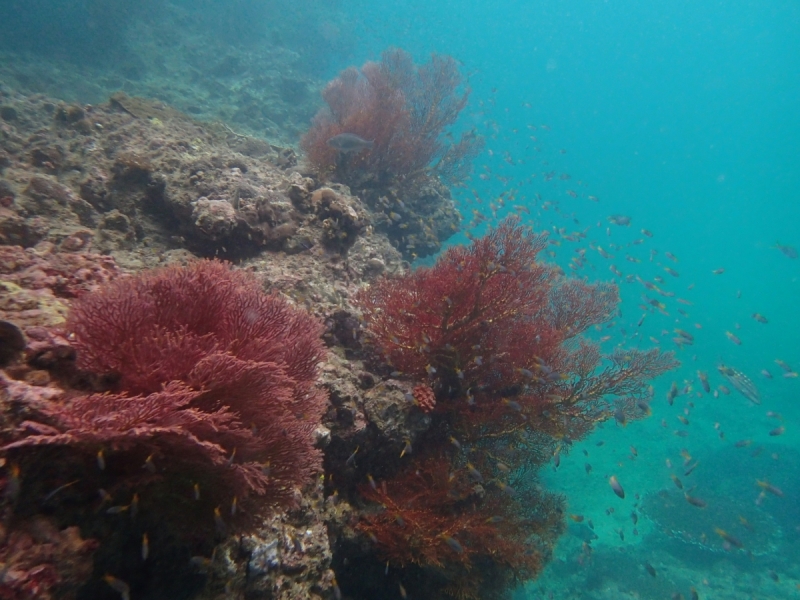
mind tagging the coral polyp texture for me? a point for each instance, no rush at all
(400, 111)
(497, 335)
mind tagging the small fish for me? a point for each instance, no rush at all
(577, 518)
(495, 519)
(647, 233)
(337, 593)
(372, 483)
(690, 468)
(621, 220)
(650, 569)
(767, 486)
(119, 586)
(733, 338)
(455, 546)
(134, 506)
(352, 458)
(474, 473)
(406, 448)
(788, 251)
(101, 460)
(704, 381)
(783, 365)
(760, 318)
(58, 489)
(672, 393)
(403, 593)
(718, 271)
(676, 481)
(13, 484)
(201, 562)
(615, 485)
(766, 373)
(149, 464)
(349, 142)
(728, 538)
(197, 491)
(741, 382)
(694, 501)
(777, 431)
(455, 443)
(145, 547)
(510, 491)
(219, 524)
(116, 510)
(105, 497)
(234, 506)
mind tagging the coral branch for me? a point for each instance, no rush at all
(402, 109)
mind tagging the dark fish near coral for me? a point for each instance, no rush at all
(741, 382)
(119, 586)
(349, 142)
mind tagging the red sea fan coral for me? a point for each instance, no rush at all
(492, 323)
(477, 304)
(495, 333)
(404, 109)
(214, 376)
(156, 327)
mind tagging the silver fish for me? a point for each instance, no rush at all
(349, 142)
(741, 382)
(621, 220)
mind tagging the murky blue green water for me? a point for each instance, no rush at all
(682, 116)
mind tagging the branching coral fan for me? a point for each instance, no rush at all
(212, 380)
(497, 336)
(403, 109)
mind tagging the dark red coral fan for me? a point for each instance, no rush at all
(213, 376)
(155, 327)
(495, 333)
(403, 109)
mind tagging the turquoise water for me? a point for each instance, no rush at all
(684, 117)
